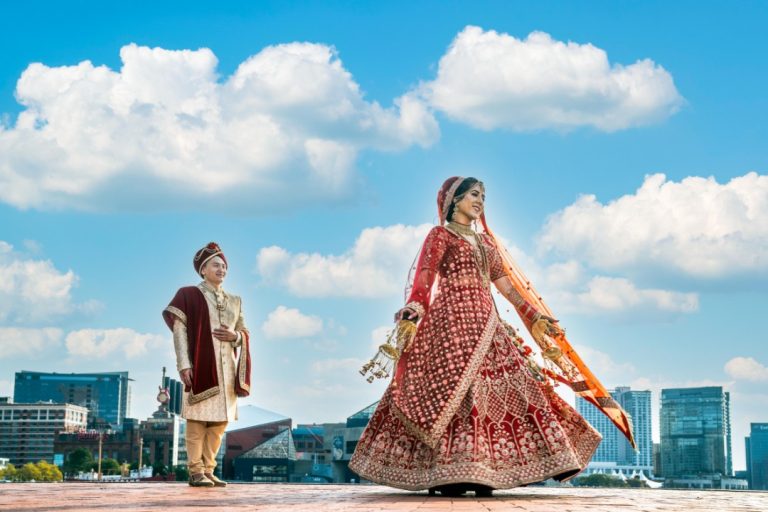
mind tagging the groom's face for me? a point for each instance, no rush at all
(215, 270)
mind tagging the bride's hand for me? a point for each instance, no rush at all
(550, 325)
(406, 314)
(549, 319)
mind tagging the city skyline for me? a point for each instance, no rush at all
(700, 414)
(622, 148)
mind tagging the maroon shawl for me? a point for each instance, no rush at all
(189, 306)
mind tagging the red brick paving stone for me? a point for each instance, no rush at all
(86, 497)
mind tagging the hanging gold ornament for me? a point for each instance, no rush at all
(398, 341)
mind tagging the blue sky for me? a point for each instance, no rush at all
(622, 145)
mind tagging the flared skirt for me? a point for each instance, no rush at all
(510, 430)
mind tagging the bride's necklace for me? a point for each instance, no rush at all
(478, 250)
(462, 229)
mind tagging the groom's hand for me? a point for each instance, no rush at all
(186, 376)
(224, 333)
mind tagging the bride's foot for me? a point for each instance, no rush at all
(450, 490)
(482, 491)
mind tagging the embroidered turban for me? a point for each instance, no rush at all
(207, 253)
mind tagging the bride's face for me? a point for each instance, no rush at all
(471, 206)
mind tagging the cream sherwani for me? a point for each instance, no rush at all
(223, 405)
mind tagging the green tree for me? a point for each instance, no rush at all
(599, 480)
(158, 468)
(78, 460)
(9, 473)
(108, 467)
(182, 473)
(49, 472)
(636, 482)
(29, 472)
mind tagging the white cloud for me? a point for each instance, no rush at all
(567, 286)
(608, 370)
(337, 365)
(34, 290)
(33, 246)
(696, 226)
(746, 368)
(378, 263)
(6, 388)
(286, 322)
(493, 80)
(376, 266)
(290, 120)
(379, 336)
(28, 343)
(123, 342)
(616, 294)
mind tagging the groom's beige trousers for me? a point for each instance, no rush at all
(203, 442)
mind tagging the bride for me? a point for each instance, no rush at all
(467, 408)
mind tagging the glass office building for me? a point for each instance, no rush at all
(615, 450)
(695, 432)
(105, 395)
(757, 456)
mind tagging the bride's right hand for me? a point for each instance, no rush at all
(406, 314)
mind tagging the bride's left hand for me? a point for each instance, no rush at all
(549, 319)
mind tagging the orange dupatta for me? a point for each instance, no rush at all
(575, 373)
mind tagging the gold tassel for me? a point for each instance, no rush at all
(397, 343)
(544, 332)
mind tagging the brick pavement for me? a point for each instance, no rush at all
(175, 497)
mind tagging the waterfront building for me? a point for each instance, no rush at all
(105, 395)
(121, 445)
(27, 431)
(757, 456)
(271, 461)
(615, 455)
(696, 438)
(254, 426)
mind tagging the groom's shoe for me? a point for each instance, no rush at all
(216, 481)
(200, 480)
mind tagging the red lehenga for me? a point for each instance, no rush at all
(463, 406)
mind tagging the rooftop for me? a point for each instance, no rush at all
(170, 497)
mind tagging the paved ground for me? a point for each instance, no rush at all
(173, 497)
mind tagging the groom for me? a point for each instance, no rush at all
(208, 328)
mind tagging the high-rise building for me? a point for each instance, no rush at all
(614, 452)
(757, 456)
(105, 395)
(176, 394)
(695, 432)
(27, 431)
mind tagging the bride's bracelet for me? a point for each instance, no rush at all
(416, 307)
